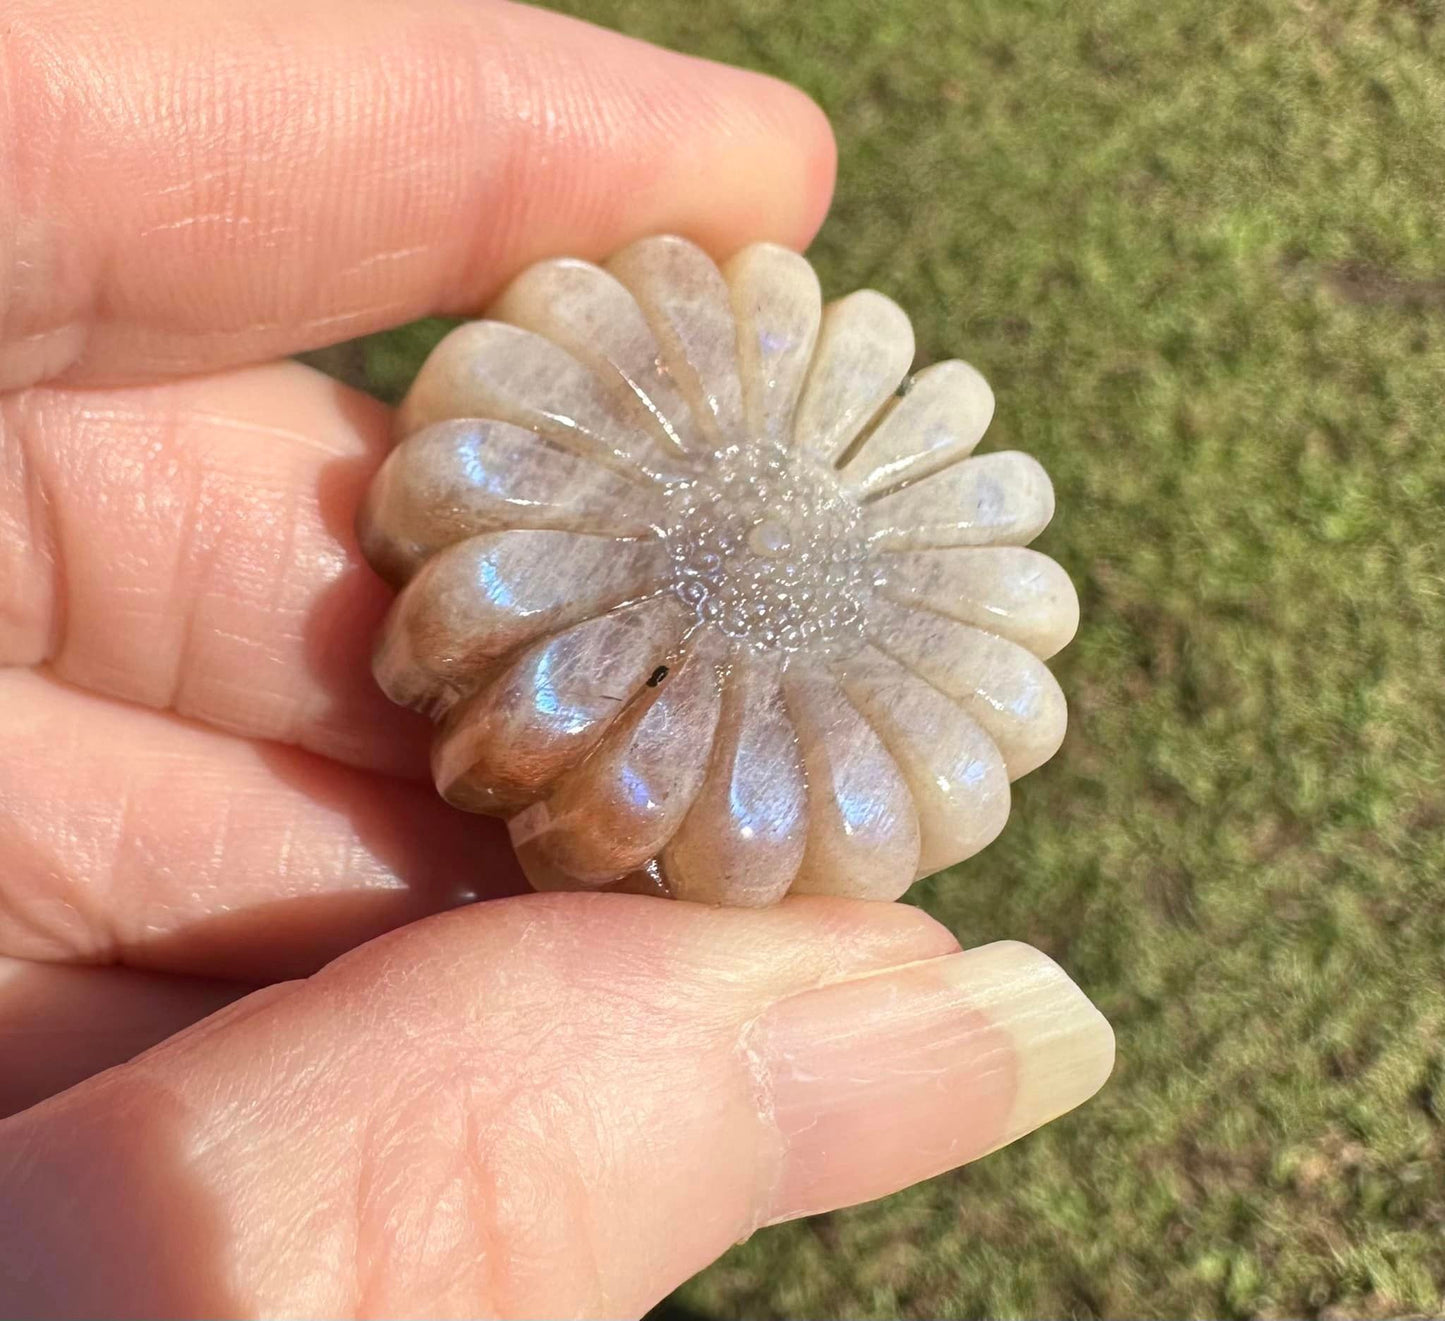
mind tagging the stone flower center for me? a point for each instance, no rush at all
(770, 538)
(767, 546)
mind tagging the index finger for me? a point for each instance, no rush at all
(188, 187)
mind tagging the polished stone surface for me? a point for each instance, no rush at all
(707, 596)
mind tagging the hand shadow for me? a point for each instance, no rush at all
(111, 1172)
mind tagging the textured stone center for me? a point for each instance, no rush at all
(770, 538)
(767, 546)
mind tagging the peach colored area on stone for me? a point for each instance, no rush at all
(707, 596)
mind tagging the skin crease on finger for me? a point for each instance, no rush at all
(192, 186)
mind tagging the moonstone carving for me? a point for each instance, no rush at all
(706, 598)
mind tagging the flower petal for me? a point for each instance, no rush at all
(685, 300)
(505, 745)
(591, 315)
(743, 840)
(1006, 689)
(1002, 499)
(476, 601)
(862, 826)
(617, 810)
(452, 480)
(489, 369)
(940, 418)
(1017, 593)
(778, 306)
(954, 771)
(865, 347)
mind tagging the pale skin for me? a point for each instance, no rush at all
(399, 1102)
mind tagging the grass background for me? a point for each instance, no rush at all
(1198, 248)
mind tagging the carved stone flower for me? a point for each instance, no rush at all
(701, 601)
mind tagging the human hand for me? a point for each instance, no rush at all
(541, 1105)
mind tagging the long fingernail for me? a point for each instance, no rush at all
(877, 1082)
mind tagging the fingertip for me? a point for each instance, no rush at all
(876, 1081)
(821, 158)
(727, 156)
(1063, 1044)
(800, 170)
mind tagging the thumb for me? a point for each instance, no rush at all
(555, 1105)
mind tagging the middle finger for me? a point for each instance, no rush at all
(190, 547)
(135, 837)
